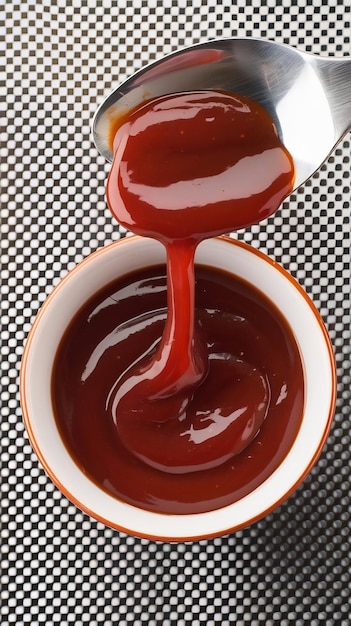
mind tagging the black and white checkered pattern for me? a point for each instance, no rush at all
(59, 566)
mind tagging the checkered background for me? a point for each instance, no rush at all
(61, 57)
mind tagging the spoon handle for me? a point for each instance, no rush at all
(335, 74)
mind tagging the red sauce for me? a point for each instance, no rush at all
(126, 319)
(186, 407)
(196, 165)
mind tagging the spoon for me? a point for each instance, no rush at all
(307, 96)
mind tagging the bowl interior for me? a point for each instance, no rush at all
(115, 261)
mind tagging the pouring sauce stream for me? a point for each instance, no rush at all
(188, 167)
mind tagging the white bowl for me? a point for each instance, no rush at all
(114, 261)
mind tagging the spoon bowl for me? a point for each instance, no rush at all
(307, 96)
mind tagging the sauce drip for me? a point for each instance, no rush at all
(187, 167)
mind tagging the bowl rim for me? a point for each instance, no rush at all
(186, 534)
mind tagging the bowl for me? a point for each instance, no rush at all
(117, 260)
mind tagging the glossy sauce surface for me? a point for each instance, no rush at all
(194, 165)
(126, 319)
(187, 167)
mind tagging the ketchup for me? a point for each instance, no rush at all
(126, 319)
(186, 402)
(194, 165)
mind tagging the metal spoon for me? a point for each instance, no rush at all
(307, 96)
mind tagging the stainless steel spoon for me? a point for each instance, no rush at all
(308, 97)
